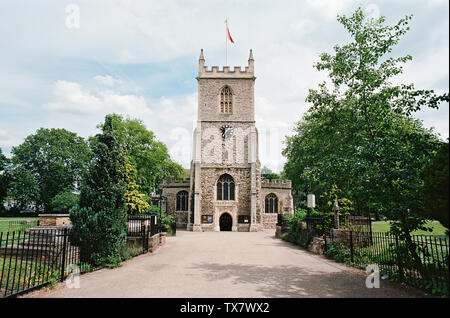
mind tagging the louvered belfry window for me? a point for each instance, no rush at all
(226, 100)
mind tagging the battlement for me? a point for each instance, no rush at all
(226, 71)
(176, 183)
(274, 183)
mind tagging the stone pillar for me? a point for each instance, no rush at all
(252, 151)
(197, 189)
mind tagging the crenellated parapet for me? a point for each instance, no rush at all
(176, 183)
(226, 71)
(276, 184)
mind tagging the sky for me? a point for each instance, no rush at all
(66, 64)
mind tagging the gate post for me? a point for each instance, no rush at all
(63, 263)
(398, 260)
(351, 246)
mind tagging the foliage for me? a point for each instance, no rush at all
(57, 159)
(127, 252)
(3, 180)
(149, 156)
(395, 258)
(23, 186)
(134, 200)
(267, 173)
(64, 201)
(295, 233)
(167, 219)
(338, 252)
(360, 136)
(435, 189)
(100, 222)
(153, 209)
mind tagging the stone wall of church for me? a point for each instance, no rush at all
(283, 190)
(232, 151)
(209, 99)
(209, 203)
(170, 188)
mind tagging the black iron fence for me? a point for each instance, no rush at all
(316, 225)
(139, 224)
(39, 256)
(424, 265)
(428, 269)
(36, 257)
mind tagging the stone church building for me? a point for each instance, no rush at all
(225, 191)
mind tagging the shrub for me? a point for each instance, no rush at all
(129, 251)
(295, 234)
(64, 201)
(338, 252)
(100, 222)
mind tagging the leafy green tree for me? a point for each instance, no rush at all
(267, 173)
(57, 158)
(435, 188)
(149, 156)
(359, 135)
(100, 221)
(3, 177)
(63, 202)
(135, 201)
(23, 186)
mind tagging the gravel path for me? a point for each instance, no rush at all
(228, 264)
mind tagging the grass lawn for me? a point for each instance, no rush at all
(437, 228)
(4, 222)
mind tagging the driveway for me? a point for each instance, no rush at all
(228, 264)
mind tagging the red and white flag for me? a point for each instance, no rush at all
(229, 35)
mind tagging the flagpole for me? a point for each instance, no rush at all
(226, 43)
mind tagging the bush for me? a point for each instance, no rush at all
(338, 252)
(295, 234)
(99, 236)
(129, 251)
(152, 209)
(99, 223)
(64, 201)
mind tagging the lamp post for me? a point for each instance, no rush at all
(159, 199)
(336, 214)
(310, 198)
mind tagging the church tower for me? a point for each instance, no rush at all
(225, 179)
(224, 191)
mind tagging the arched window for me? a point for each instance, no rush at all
(271, 203)
(225, 188)
(182, 201)
(226, 100)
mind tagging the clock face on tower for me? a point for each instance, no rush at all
(227, 131)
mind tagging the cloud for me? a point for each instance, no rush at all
(9, 139)
(107, 80)
(140, 58)
(70, 97)
(427, 71)
(171, 118)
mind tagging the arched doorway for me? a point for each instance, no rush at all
(225, 222)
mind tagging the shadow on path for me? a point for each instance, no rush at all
(291, 281)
